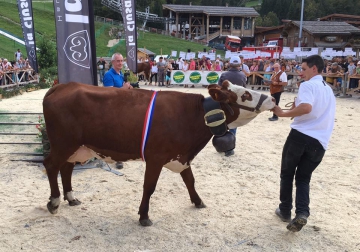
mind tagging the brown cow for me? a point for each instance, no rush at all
(85, 121)
(146, 68)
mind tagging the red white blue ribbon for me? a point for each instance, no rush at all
(147, 124)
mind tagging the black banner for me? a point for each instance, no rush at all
(129, 18)
(27, 24)
(75, 39)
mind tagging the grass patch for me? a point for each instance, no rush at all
(253, 3)
(44, 22)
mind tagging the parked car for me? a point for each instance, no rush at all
(219, 46)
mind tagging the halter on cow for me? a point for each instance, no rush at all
(78, 129)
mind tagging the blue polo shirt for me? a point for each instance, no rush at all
(113, 79)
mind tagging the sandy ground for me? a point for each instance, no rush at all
(241, 193)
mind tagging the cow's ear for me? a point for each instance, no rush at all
(225, 85)
(213, 86)
(218, 95)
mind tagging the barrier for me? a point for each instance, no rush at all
(19, 77)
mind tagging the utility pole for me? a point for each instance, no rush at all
(301, 22)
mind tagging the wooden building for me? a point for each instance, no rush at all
(145, 53)
(209, 22)
(324, 34)
(350, 19)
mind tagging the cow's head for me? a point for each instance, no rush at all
(246, 103)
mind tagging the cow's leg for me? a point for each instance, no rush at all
(66, 173)
(189, 181)
(52, 171)
(152, 174)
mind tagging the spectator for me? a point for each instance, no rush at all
(161, 71)
(101, 67)
(154, 73)
(278, 81)
(115, 78)
(168, 74)
(18, 54)
(236, 77)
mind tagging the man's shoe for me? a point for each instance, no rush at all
(119, 165)
(284, 218)
(273, 119)
(229, 153)
(297, 223)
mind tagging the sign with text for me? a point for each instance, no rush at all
(194, 77)
(75, 39)
(129, 17)
(27, 24)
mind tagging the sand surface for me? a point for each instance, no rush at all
(241, 193)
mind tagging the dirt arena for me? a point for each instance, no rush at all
(241, 193)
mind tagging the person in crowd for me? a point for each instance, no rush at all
(254, 68)
(351, 72)
(101, 68)
(334, 69)
(179, 63)
(115, 78)
(217, 66)
(237, 77)
(314, 116)
(168, 74)
(192, 64)
(18, 55)
(161, 65)
(1, 73)
(267, 68)
(154, 73)
(278, 81)
(358, 74)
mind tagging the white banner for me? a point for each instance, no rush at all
(179, 77)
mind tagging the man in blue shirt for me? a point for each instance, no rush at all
(114, 77)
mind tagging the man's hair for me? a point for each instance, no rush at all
(114, 55)
(315, 60)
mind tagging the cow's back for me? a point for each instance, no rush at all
(110, 120)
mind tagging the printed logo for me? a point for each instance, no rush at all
(212, 78)
(195, 77)
(131, 54)
(179, 77)
(77, 48)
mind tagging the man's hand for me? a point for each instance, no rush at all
(277, 111)
(127, 85)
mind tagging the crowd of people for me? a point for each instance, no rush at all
(14, 71)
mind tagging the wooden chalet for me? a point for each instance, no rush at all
(324, 34)
(209, 22)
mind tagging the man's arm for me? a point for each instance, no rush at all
(302, 109)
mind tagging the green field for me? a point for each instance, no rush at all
(44, 24)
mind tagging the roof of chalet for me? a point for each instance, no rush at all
(327, 27)
(259, 29)
(340, 16)
(146, 51)
(213, 10)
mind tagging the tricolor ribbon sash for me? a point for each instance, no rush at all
(147, 124)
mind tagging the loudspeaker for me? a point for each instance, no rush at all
(204, 50)
(189, 50)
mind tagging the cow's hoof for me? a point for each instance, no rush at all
(74, 202)
(201, 205)
(146, 222)
(52, 209)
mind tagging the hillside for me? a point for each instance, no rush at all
(44, 24)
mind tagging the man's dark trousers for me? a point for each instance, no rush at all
(301, 155)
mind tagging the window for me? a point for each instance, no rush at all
(247, 24)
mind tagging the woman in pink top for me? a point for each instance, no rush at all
(217, 66)
(192, 65)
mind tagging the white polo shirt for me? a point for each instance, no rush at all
(319, 123)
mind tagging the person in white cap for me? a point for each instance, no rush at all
(237, 77)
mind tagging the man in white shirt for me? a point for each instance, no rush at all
(18, 54)
(180, 63)
(314, 117)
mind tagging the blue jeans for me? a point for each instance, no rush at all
(101, 74)
(300, 157)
